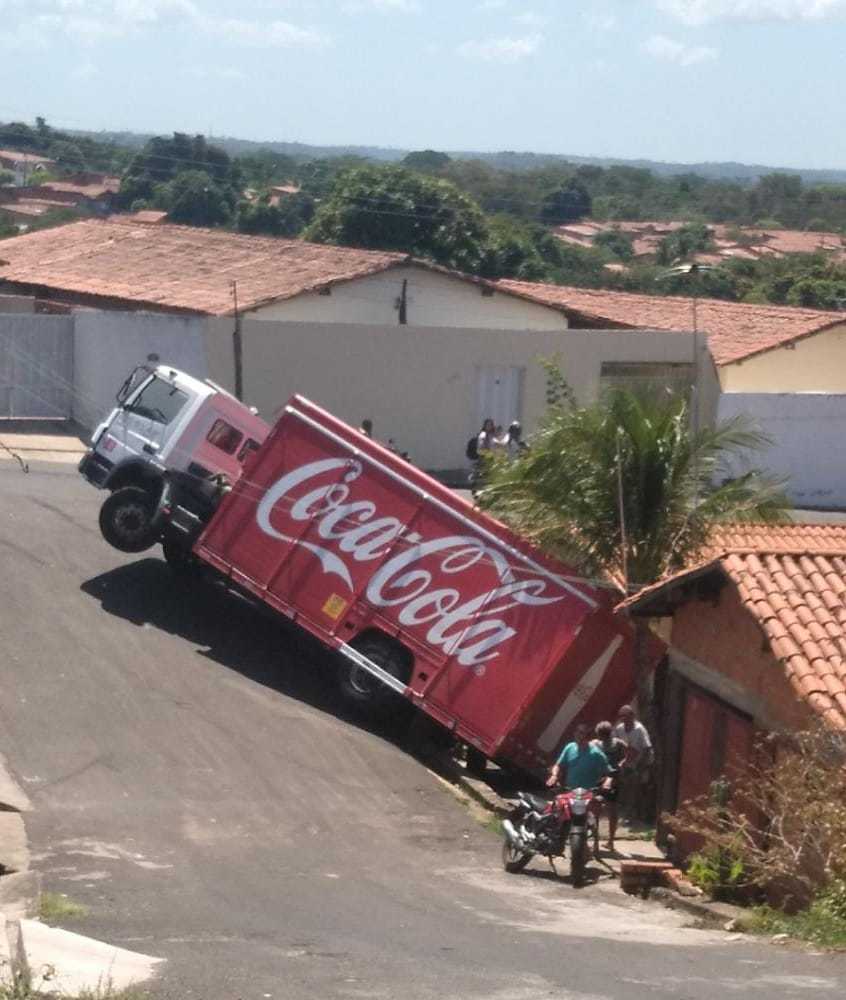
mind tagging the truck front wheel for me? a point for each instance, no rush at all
(126, 519)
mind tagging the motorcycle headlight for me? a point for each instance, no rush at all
(578, 807)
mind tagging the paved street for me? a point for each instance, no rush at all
(197, 787)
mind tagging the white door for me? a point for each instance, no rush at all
(499, 394)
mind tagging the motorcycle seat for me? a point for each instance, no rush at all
(534, 801)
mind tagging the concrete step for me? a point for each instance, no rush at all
(65, 963)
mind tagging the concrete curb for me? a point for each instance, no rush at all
(708, 912)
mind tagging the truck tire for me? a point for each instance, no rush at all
(366, 693)
(126, 519)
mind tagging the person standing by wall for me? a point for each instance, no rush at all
(635, 771)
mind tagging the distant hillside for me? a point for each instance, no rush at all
(742, 172)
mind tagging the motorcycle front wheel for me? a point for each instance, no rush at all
(513, 859)
(578, 858)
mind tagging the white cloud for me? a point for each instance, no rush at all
(85, 71)
(601, 20)
(405, 6)
(263, 34)
(505, 50)
(698, 12)
(93, 21)
(492, 4)
(669, 50)
(530, 19)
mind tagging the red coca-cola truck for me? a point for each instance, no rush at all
(425, 597)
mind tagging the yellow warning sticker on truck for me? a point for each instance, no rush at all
(334, 607)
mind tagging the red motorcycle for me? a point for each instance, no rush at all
(543, 826)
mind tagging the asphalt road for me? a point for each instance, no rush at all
(197, 787)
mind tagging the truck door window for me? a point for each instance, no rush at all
(224, 436)
(247, 448)
(159, 401)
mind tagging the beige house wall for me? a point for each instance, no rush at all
(815, 364)
(432, 299)
(419, 385)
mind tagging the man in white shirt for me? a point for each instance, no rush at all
(639, 757)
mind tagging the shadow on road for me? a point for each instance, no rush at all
(233, 632)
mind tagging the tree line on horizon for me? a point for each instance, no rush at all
(471, 215)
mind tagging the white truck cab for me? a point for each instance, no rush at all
(167, 427)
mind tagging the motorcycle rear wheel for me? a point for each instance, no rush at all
(513, 859)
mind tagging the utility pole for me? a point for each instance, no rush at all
(237, 346)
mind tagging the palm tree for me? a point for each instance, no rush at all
(625, 489)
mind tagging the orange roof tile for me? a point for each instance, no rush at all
(30, 159)
(180, 267)
(792, 580)
(735, 330)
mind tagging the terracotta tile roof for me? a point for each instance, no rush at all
(180, 267)
(28, 159)
(149, 216)
(792, 580)
(735, 330)
(87, 188)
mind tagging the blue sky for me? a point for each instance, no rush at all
(683, 80)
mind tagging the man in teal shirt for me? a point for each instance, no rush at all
(581, 764)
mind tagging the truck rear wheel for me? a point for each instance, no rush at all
(366, 693)
(126, 519)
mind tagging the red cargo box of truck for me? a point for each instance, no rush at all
(503, 645)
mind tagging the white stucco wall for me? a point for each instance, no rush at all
(419, 385)
(807, 433)
(107, 345)
(433, 299)
(815, 364)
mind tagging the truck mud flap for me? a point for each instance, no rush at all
(372, 668)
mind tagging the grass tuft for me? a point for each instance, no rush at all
(816, 925)
(56, 907)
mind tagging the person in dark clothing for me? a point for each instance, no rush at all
(615, 751)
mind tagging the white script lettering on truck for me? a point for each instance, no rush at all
(401, 581)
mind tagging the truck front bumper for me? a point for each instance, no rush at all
(95, 468)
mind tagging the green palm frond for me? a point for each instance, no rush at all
(564, 493)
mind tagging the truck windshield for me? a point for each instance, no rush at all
(158, 401)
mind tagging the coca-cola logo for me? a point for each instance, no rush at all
(471, 628)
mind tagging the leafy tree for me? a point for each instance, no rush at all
(163, 159)
(521, 250)
(617, 243)
(684, 242)
(566, 204)
(68, 156)
(391, 208)
(288, 218)
(194, 199)
(265, 168)
(428, 161)
(817, 293)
